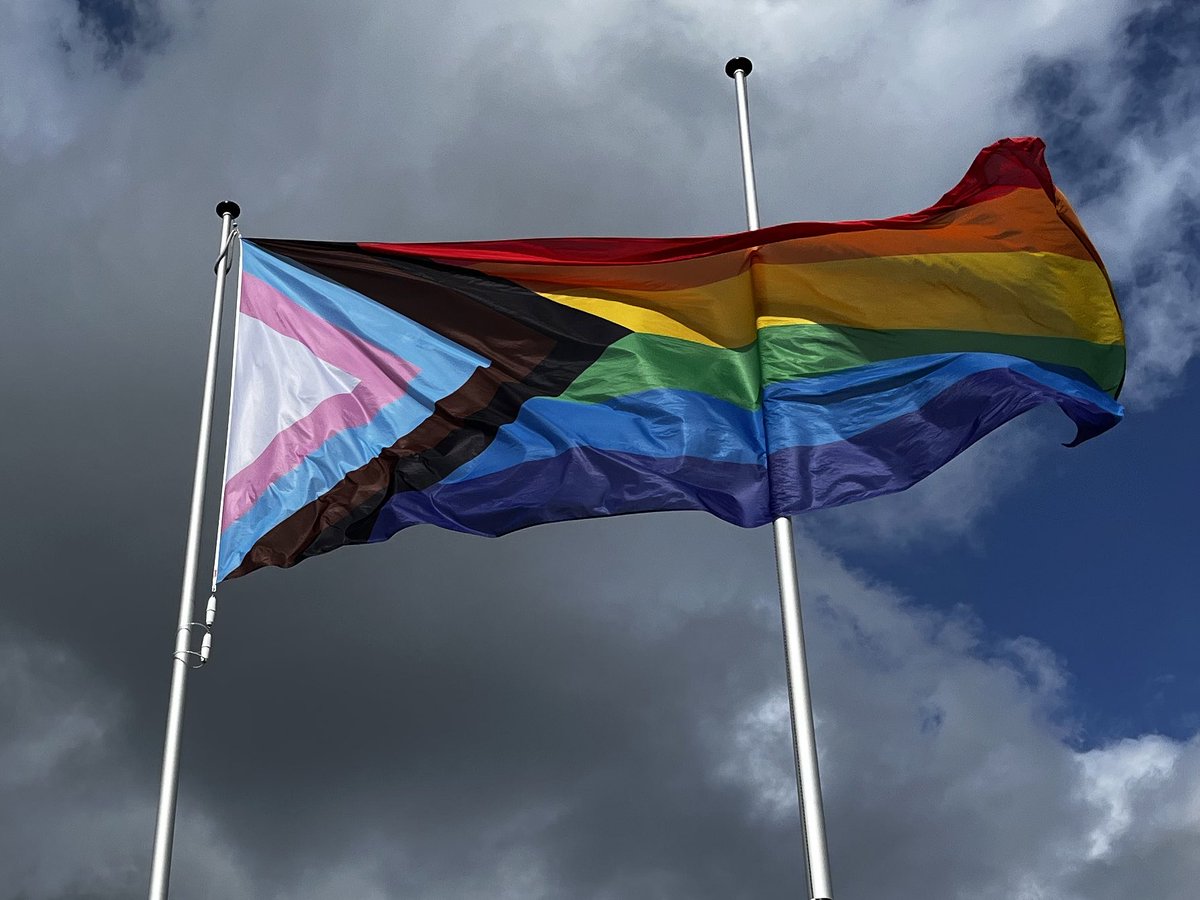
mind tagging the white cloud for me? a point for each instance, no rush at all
(948, 770)
(1114, 776)
(1140, 231)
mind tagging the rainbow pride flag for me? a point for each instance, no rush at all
(490, 386)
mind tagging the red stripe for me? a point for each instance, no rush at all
(1006, 165)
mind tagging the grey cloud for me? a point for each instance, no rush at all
(588, 710)
(625, 754)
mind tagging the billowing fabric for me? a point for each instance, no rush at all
(490, 386)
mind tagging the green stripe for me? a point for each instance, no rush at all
(640, 362)
(792, 351)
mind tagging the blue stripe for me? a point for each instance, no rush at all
(660, 423)
(582, 481)
(664, 423)
(819, 410)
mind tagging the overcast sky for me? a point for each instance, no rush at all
(1003, 658)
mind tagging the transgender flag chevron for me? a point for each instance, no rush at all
(490, 386)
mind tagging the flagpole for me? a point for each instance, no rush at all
(804, 739)
(185, 657)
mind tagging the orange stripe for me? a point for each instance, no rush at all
(1023, 220)
(670, 276)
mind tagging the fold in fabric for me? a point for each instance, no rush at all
(489, 386)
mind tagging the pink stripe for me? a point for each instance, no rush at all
(340, 348)
(383, 378)
(291, 446)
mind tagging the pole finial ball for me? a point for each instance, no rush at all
(228, 206)
(738, 64)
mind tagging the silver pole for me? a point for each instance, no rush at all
(164, 829)
(737, 69)
(804, 738)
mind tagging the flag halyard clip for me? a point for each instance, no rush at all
(196, 659)
(224, 254)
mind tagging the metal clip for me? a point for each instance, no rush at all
(195, 659)
(205, 646)
(224, 254)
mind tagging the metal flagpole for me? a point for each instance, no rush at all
(185, 657)
(804, 739)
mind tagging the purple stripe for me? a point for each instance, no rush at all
(897, 454)
(585, 482)
(581, 483)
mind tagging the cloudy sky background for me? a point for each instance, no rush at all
(1003, 658)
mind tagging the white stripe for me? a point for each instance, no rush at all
(279, 382)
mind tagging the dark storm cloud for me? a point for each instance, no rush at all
(590, 710)
(516, 743)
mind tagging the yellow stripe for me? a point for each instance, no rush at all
(719, 314)
(1004, 293)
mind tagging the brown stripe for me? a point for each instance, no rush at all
(536, 347)
(356, 497)
(427, 294)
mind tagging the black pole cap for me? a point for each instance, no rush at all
(228, 206)
(738, 64)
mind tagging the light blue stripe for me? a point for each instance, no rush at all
(351, 311)
(444, 367)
